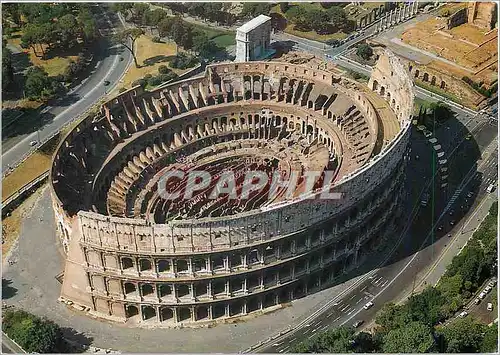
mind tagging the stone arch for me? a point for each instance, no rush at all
(388, 96)
(443, 84)
(148, 313)
(425, 77)
(166, 314)
(147, 289)
(417, 73)
(131, 311)
(129, 287)
(382, 91)
(375, 86)
(164, 290)
(127, 263)
(183, 314)
(433, 80)
(145, 264)
(163, 265)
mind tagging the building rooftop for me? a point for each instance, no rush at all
(253, 23)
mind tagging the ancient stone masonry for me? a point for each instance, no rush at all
(482, 14)
(135, 257)
(397, 15)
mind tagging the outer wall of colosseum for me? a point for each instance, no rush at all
(124, 266)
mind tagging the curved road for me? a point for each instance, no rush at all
(79, 100)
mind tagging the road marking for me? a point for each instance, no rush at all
(353, 296)
(361, 299)
(336, 319)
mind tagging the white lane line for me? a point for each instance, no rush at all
(364, 288)
(360, 300)
(326, 326)
(310, 336)
(347, 310)
(385, 283)
(336, 319)
(353, 296)
(352, 310)
(343, 309)
(329, 315)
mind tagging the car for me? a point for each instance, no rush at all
(106, 82)
(421, 128)
(452, 222)
(333, 42)
(427, 133)
(449, 235)
(487, 289)
(477, 301)
(121, 59)
(357, 323)
(468, 137)
(33, 143)
(491, 283)
(463, 314)
(470, 194)
(451, 212)
(490, 188)
(489, 307)
(440, 228)
(368, 305)
(482, 295)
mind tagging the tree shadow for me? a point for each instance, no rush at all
(283, 47)
(7, 290)
(75, 342)
(157, 59)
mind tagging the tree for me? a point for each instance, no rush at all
(203, 46)
(7, 68)
(32, 333)
(339, 340)
(138, 11)
(364, 51)
(127, 38)
(414, 337)
(68, 29)
(490, 340)
(38, 85)
(253, 9)
(122, 7)
(284, 6)
(87, 24)
(12, 10)
(441, 111)
(461, 336)
(391, 317)
(338, 17)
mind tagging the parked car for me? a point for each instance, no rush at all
(490, 188)
(427, 133)
(452, 222)
(490, 306)
(357, 323)
(477, 301)
(368, 305)
(33, 143)
(463, 314)
(492, 283)
(482, 295)
(487, 289)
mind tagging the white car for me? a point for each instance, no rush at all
(490, 306)
(368, 305)
(427, 133)
(492, 283)
(463, 314)
(482, 295)
(490, 188)
(33, 143)
(487, 289)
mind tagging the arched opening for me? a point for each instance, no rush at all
(443, 85)
(145, 264)
(433, 80)
(375, 85)
(183, 290)
(426, 77)
(164, 290)
(148, 313)
(163, 266)
(127, 263)
(183, 314)
(131, 311)
(147, 289)
(382, 91)
(129, 288)
(417, 73)
(166, 314)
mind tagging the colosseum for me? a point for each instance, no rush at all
(133, 257)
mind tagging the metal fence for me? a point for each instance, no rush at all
(10, 202)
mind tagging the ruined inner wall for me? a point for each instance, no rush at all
(482, 14)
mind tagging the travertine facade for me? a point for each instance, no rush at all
(253, 39)
(129, 259)
(482, 14)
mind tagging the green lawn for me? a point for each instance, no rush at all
(224, 40)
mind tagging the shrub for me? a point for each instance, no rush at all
(148, 76)
(163, 69)
(154, 81)
(364, 51)
(156, 39)
(444, 13)
(167, 77)
(183, 61)
(141, 82)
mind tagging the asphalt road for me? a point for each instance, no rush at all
(399, 277)
(110, 68)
